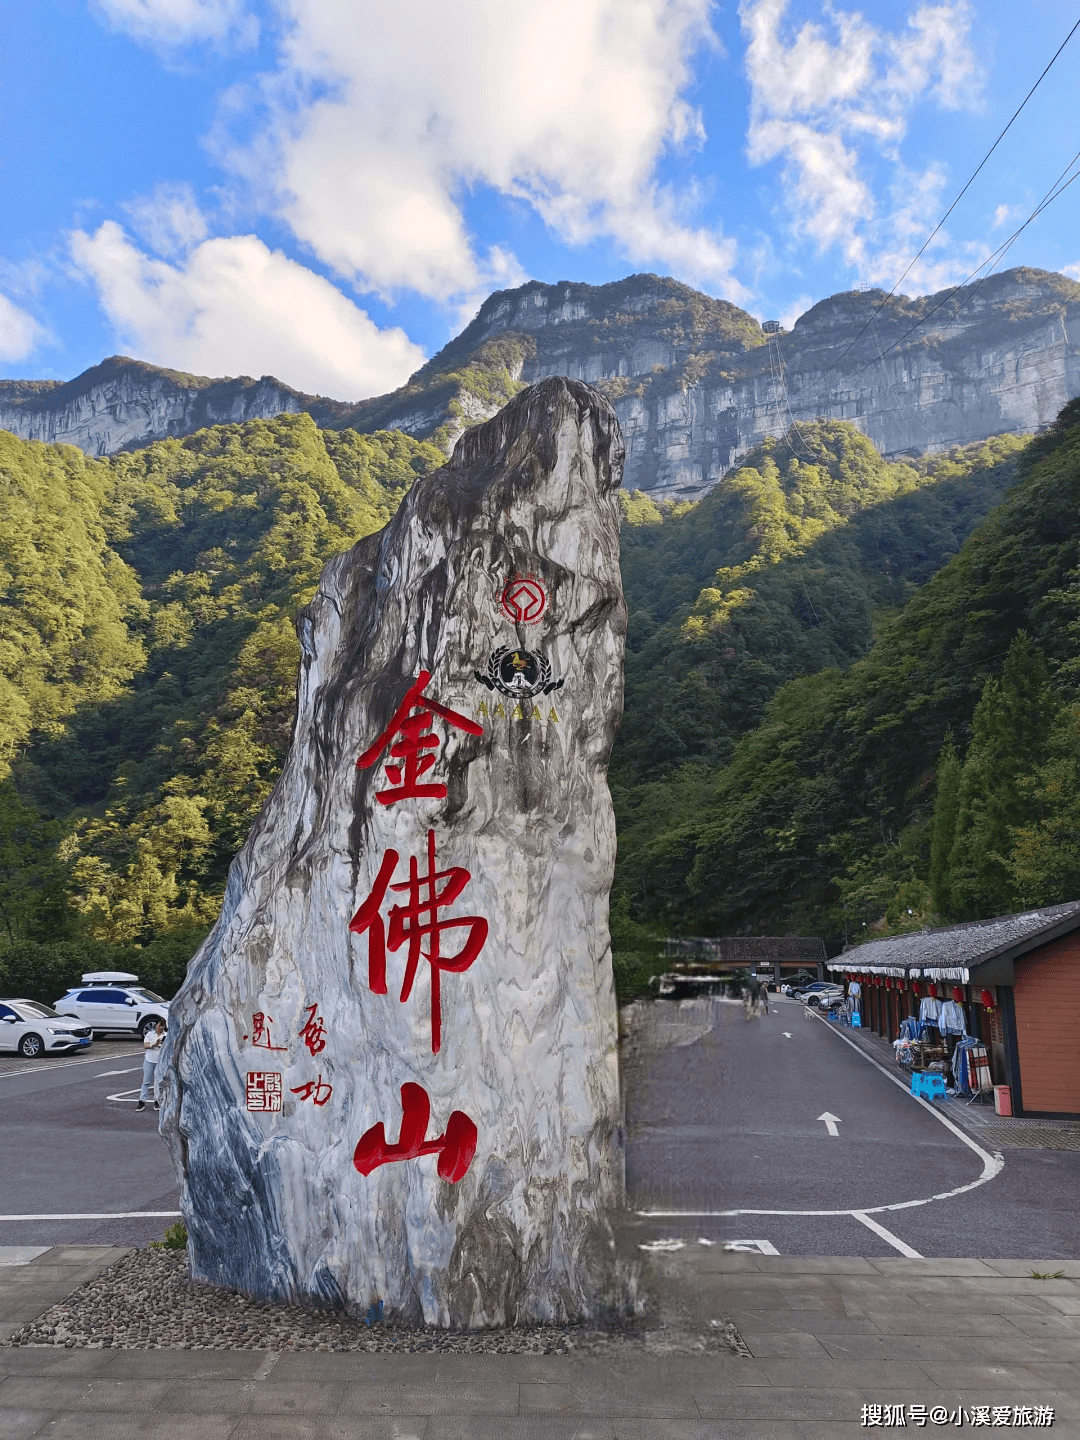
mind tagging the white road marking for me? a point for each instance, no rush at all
(786, 1034)
(59, 1065)
(992, 1165)
(664, 1246)
(759, 1247)
(831, 1122)
(110, 1215)
(887, 1235)
(106, 1073)
(126, 1097)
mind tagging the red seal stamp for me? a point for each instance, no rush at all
(523, 599)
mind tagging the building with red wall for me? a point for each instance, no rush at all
(1017, 978)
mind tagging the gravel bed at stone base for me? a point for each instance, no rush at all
(146, 1301)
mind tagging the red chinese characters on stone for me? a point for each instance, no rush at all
(409, 762)
(260, 1032)
(313, 1031)
(317, 1091)
(455, 1147)
(263, 1090)
(417, 920)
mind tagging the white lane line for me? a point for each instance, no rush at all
(126, 1097)
(110, 1215)
(886, 1235)
(129, 1071)
(992, 1166)
(758, 1247)
(61, 1064)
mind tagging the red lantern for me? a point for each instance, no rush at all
(986, 1000)
(915, 987)
(958, 994)
(931, 990)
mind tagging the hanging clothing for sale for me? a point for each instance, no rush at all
(951, 1020)
(929, 1010)
(854, 989)
(911, 1029)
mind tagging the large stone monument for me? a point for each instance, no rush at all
(391, 1077)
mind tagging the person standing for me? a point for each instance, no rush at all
(152, 1042)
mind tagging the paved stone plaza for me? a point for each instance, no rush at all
(826, 1337)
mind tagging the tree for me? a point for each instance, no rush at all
(946, 807)
(1010, 738)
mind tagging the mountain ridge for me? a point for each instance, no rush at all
(695, 381)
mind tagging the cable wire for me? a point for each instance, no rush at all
(959, 197)
(992, 259)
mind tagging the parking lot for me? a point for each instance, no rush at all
(81, 1165)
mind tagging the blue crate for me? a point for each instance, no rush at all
(856, 1022)
(927, 1083)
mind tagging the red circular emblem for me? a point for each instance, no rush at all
(523, 599)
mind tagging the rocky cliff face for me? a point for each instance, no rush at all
(123, 403)
(694, 381)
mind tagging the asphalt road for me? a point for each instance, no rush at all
(69, 1148)
(723, 1116)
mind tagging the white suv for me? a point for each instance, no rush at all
(108, 1000)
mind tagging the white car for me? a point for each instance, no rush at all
(820, 995)
(110, 1001)
(34, 1029)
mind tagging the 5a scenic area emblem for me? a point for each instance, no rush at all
(523, 599)
(518, 673)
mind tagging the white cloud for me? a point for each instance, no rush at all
(179, 22)
(19, 331)
(831, 107)
(1073, 271)
(382, 117)
(797, 307)
(235, 307)
(169, 220)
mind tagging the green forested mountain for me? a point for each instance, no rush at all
(787, 567)
(149, 663)
(142, 778)
(934, 777)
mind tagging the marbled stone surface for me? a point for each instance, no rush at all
(273, 1200)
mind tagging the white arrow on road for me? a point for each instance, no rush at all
(831, 1122)
(106, 1073)
(786, 1034)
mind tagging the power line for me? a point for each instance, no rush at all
(959, 197)
(992, 259)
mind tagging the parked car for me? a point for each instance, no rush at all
(821, 994)
(110, 1001)
(34, 1029)
(799, 981)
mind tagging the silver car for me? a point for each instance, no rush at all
(34, 1029)
(820, 995)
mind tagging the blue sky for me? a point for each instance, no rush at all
(325, 190)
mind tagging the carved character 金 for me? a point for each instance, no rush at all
(455, 1147)
(416, 919)
(520, 674)
(415, 738)
(523, 599)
